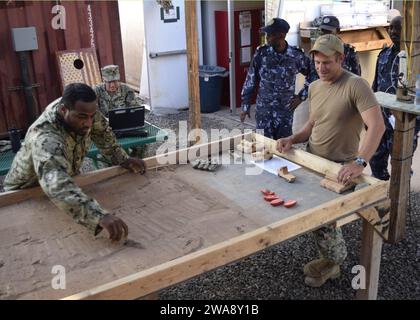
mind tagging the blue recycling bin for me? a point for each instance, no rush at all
(211, 83)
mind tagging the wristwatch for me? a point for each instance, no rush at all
(360, 162)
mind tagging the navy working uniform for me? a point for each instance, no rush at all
(330, 24)
(386, 80)
(274, 74)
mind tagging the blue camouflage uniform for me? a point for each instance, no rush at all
(275, 75)
(350, 63)
(386, 80)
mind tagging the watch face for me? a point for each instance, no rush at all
(361, 162)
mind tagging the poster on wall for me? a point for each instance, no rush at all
(245, 21)
(245, 55)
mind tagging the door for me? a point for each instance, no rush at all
(166, 56)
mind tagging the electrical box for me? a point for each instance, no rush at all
(24, 39)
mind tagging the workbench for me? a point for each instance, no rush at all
(182, 223)
(361, 38)
(401, 158)
(154, 134)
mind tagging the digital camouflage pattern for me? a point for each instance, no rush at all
(386, 80)
(274, 75)
(124, 97)
(350, 63)
(110, 73)
(50, 156)
(330, 243)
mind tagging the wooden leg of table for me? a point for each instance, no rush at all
(370, 259)
(401, 157)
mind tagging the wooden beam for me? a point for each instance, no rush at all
(410, 38)
(192, 62)
(311, 161)
(370, 259)
(15, 196)
(185, 267)
(378, 217)
(401, 158)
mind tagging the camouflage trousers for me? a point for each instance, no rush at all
(275, 127)
(138, 152)
(379, 161)
(330, 243)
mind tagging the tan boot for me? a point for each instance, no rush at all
(319, 271)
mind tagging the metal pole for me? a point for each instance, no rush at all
(27, 86)
(232, 84)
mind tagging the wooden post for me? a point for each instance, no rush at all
(370, 259)
(401, 157)
(411, 32)
(192, 63)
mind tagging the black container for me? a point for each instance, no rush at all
(14, 136)
(211, 84)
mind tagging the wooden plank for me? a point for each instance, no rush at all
(330, 182)
(334, 185)
(410, 38)
(311, 161)
(194, 152)
(369, 45)
(366, 39)
(370, 260)
(401, 158)
(192, 62)
(16, 196)
(346, 220)
(390, 101)
(284, 173)
(185, 267)
(378, 216)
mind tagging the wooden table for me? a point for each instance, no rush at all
(183, 222)
(401, 158)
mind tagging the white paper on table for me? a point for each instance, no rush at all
(275, 163)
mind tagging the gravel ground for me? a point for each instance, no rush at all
(276, 273)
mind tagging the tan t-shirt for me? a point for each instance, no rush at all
(336, 110)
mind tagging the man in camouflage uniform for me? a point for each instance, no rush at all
(113, 94)
(331, 25)
(340, 104)
(53, 152)
(273, 71)
(386, 80)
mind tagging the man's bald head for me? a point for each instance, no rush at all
(395, 30)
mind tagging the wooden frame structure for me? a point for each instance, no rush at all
(401, 158)
(344, 209)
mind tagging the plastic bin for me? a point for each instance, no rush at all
(211, 82)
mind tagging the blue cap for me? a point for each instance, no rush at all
(276, 25)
